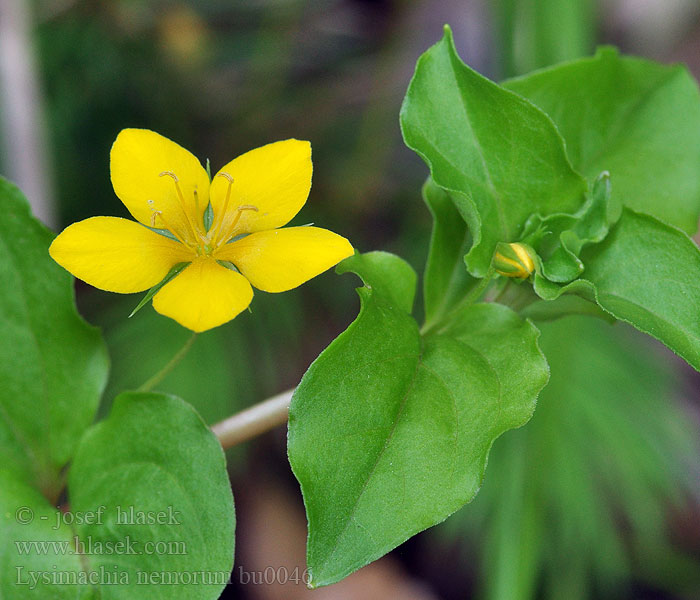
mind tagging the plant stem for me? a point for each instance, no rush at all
(472, 296)
(160, 375)
(253, 421)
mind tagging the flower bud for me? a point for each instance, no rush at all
(514, 260)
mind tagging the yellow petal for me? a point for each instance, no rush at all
(204, 295)
(275, 179)
(282, 259)
(116, 255)
(137, 160)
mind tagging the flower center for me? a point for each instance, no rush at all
(187, 224)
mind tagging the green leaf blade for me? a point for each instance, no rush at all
(501, 154)
(53, 365)
(388, 369)
(27, 518)
(646, 273)
(407, 430)
(389, 275)
(446, 279)
(154, 455)
(637, 119)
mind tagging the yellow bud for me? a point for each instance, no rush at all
(513, 260)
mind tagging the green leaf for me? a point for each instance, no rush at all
(562, 306)
(155, 456)
(637, 119)
(405, 425)
(26, 518)
(647, 273)
(388, 275)
(151, 513)
(53, 366)
(644, 273)
(501, 156)
(446, 279)
(604, 466)
(559, 239)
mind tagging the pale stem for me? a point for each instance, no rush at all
(253, 421)
(160, 375)
(23, 144)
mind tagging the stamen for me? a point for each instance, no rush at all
(169, 174)
(219, 218)
(222, 214)
(230, 229)
(183, 205)
(157, 213)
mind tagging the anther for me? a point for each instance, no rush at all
(183, 205)
(169, 174)
(155, 213)
(225, 176)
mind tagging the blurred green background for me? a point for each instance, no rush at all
(598, 496)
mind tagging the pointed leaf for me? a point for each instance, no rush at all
(647, 273)
(637, 119)
(644, 273)
(501, 155)
(405, 425)
(387, 274)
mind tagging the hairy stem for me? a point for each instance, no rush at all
(253, 421)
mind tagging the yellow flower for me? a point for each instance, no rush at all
(165, 187)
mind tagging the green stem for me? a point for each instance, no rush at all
(160, 375)
(516, 296)
(472, 296)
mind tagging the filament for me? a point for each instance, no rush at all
(219, 218)
(193, 228)
(157, 213)
(232, 226)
